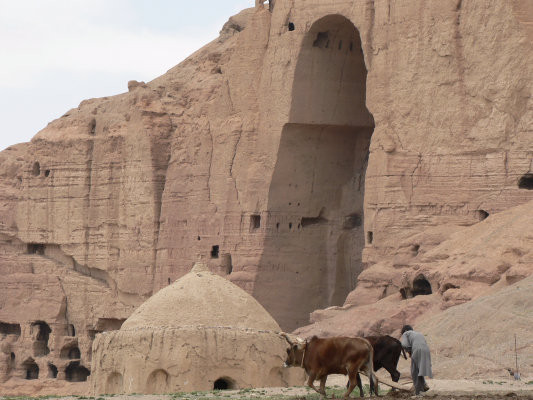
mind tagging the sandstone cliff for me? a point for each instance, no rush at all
(306, 144)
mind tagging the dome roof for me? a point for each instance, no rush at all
(201, 298)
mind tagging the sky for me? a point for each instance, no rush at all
(56, 53)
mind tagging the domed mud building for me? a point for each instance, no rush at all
(200, 333)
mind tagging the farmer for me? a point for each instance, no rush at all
(415, 344)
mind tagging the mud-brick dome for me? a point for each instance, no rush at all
(201, 298)
(200, 333)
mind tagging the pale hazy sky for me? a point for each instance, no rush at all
(56, 53)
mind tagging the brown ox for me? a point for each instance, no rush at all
(337, 355)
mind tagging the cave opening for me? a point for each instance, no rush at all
(482, 215)
(214, 251)
(526, 181)
(224, 384)
(52, 371)
(70, 351)
(31, 369)
(421, 286)
(76, 372)
(9, 329)
(40, 332)
(36, 248)
(74, 353)
(255, 221)
(320, 166)
(36, 169)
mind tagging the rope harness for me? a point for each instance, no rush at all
(303, 356)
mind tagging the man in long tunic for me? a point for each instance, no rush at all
(417, 347)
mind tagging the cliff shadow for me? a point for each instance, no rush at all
(314, 227)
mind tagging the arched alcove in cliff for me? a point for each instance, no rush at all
(316, 195)
(114, 383)
(41, 333)
(158, 382)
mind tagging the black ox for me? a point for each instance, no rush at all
(387, 352)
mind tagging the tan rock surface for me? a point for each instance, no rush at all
(310, 141)
(477, 339)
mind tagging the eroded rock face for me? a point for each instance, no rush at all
(308, 142)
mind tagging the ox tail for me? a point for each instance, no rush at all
(371, 375)
(390, 383)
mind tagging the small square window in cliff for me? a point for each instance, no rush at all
(370, 237)
(92, 127)
(36, 170)
(214, 251)
(255, 221)
(9, 329)
(36, 248)
(526, 181)
(291, 26)
(47, 173)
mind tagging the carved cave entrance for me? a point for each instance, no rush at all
(31, 369)
(40, 332)
(76, 372)
(312, 255)
(224, 383)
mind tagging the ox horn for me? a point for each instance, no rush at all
(287, 338)
(292, 338)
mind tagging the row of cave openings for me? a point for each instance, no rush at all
(36, 170)
(40, 334)
(74, 372)
(350, 221)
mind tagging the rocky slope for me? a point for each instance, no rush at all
(469, 272)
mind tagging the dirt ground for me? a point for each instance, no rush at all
(439, 390)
